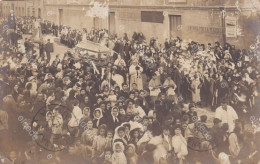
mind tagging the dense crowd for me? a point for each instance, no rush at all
(24, 24)
(71, 37)
(141, 108)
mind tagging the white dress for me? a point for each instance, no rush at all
(160, 150)
(135, 77)
(196, 93)
(36, 33)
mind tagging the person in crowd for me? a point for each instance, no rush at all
(98, 117)
(171, 89)
(196, 86)
(87, 138)
(112, 119)
(76, 116)
(48, 49)
(99, 144)
(120, 135)
(226, 114)
(57, 128)
(3, 120)
(234, 140)
(135, 71)
(131, 155)
(135, 136)
(118, 156)
(108, 156)
(179, 145)
(154, 85)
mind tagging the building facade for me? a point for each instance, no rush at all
(234, 21)
(22, 8)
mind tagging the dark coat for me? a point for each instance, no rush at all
(48, 47)
(111, 124)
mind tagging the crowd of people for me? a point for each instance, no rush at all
(24, 24)
(71, 37)
(141, 108)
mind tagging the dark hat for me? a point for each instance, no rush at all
(203, 118)
(165, 127)
(177, 127)
(145, 117)
(154, 74)
(121, 128)
(191, 105)
(216, 121)
(224, 101)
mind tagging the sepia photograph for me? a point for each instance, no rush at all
(129, 82)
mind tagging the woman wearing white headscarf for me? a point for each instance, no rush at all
(98, 117)
(120, 135)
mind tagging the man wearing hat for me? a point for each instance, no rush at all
(48, 50)
(192, 112)
(216, 131)
(226, 114)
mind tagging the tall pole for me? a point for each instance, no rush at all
(25, 9)
(108, 7)
(223, 23)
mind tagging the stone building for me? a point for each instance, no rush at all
(22, 8)
(234, 21)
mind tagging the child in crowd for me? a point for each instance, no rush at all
(118, 156)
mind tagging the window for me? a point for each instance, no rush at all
(177, 1)
(33, 12)
(152, 16)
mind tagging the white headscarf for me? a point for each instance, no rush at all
(101, 115)
(116, 136)
(120, 144)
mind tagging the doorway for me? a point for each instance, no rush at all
(39, 13)
(175, 25)
(60, 17)
(28, 12)
(112, 23)
(96, 23)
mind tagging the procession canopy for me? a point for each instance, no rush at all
(91, 51)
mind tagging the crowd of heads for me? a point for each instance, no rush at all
(141, 107)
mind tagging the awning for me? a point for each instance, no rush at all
(93, 47)
(94, 53)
